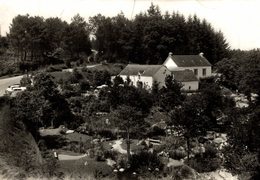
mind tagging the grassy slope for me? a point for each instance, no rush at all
(113, 69)
(19, 153)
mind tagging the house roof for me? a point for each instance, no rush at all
(190, 60)
(184, 76)
(144, 70)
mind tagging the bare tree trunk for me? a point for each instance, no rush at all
(128, 146)
(25, 56)
(188, 148)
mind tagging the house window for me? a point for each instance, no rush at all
(204, 70)
(196, 72)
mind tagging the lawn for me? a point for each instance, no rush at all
(78, 137)
(113, 69)
(80, 168)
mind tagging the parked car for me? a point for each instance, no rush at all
(14, 89)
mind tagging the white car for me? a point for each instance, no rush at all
(14, 89)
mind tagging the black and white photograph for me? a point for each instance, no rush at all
(129, 89)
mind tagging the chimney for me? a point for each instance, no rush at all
(170, 54)
(201, 54)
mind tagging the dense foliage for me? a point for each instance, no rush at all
(33, 41)
(37, 41)
(42, 106)
(241, 72)
(150, 36)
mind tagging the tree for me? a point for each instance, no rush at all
(111, 36)
(189, 119)
(228, 68)
(55, 108)
(118, 80)
(250, 74)
(101, 78)
(53, 35)
(84, 85)
(27, 108)
(155, 91)
(212, 99)
(150, 36)
(170, 95)
(130, 120)
(138, 98)
(26, 37)
(243, 140)
(25, 81)
(76, 37)
(45, 85)
(4, 45)
(36, 41)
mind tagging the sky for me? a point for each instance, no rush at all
(237, 19)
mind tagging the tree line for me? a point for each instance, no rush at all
(37, 41)
(146, 39)
(150, 36)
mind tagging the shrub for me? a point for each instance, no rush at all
(77, 74)
(53, 69)
(68, 64)
(25, 81)
(110, 155)
(177, 154)
(209, 161)
(84, 85)
(75, 122)
(156, 131)
(201, 164)
(144, 160)
(118, 80)
(100, 172)
(50, 165)
(210, 152)
(106, 133)
(54, 142)
(172, 142)
(100, 155)
(75, 77)
(239, 161)
(182, 172)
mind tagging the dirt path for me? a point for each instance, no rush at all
(64, 157)
(88, 66)
(118, 147)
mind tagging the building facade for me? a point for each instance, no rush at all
(145, 75)
(196, 63)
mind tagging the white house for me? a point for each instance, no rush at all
(145, 75)
(200, 66)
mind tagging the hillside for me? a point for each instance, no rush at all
(19, 153)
